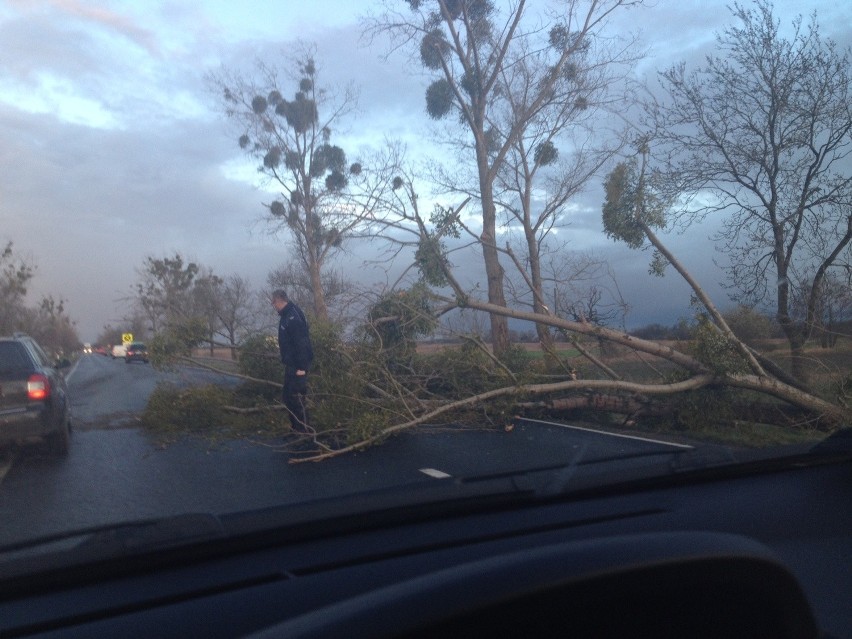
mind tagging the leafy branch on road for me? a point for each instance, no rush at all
(512, 391)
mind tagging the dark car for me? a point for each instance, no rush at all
(34, 400)
(136, 352)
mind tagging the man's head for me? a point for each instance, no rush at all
(279, 299)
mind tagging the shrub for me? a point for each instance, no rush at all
(172, 410)
(174, 342)
(259, 358)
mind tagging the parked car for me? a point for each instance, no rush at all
(34, 400)
(136, 352)
(119, 350)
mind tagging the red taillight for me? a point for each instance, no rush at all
(38, 387)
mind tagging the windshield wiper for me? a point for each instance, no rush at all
(584, 472)
(105, 542)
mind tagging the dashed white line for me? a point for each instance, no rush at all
(603, 432)
(435, 473)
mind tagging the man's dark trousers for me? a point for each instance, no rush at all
(293, 396)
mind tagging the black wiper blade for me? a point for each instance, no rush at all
(583, 470)
(158, 533)
(105, 542)
(583, 473)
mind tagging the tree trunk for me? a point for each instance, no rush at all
(798, 364)
(796, 341)
(795, 338)
(313, 261)
(545, 337)
(320, 308)
(493, 269)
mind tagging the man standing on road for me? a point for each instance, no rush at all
(294, 343)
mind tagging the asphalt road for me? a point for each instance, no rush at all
(115, 472)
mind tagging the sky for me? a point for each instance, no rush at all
(113, 147)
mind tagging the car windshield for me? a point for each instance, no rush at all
(380, 248)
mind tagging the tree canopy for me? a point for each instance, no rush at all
(510, 86)
(292, 140)
(761, 135)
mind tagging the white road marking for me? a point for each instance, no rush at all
(603, 432)
(433, 472)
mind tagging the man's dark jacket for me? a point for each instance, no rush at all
(294, 341)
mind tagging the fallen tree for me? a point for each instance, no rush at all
(719, 361)
(738, 369)
(375, 387)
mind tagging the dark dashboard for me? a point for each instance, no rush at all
(750, 550)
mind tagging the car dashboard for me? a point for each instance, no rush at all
(757, 550)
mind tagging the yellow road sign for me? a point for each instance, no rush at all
(126, 338)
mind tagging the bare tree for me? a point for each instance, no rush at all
(831, 309)
(300, 287)
(483, 55)
(559, 151)
(236, 312)
(47, 321)
(163, 291)
(52, 327)
(136, 323)
(292, 140)
(465, 322)
(206, 305)
(15, 274)
(762, 134)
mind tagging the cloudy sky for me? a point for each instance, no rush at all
(113, 148)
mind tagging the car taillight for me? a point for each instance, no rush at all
(38, 387)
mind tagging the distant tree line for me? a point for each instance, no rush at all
(47, 321)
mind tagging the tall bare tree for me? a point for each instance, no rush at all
(292, 140)
(481, 53)
(761, 134)
(236, 312)
(536, 201)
